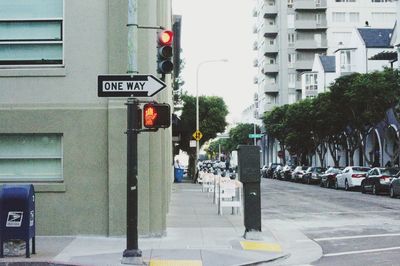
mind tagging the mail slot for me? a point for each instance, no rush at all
(17, 215)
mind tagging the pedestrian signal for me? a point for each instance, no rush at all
(156, 115)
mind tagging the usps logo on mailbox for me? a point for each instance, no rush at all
(14, 219)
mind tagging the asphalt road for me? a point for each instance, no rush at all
(351, 228)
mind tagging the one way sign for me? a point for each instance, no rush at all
(128, 85)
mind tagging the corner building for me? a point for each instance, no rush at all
(57, 134)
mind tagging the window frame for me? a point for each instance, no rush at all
(7, 64)
(15, 179)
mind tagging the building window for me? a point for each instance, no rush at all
(311, 84)
(354, 17)
(339, 17)
(290, 21)
(292, 80)
(30, 157)
(345, 0)
(291, 39)
(31, 32)
(290, 3)
(378, 17)
(345, 61)
(381, 1)
(291, 59)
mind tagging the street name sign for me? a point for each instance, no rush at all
(128, 85)
(254, 136)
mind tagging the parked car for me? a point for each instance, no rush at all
(378, 180)
(277, 172)
(394, 186)
(269, 172)
(351, 176)
(313, 175)
(263, 171)
(298, 173)
(287, 172)
(328, 178)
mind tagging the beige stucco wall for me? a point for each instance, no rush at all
(92, 199)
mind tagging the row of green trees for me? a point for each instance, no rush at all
(335, 120)
(212, 120)
(237, 135)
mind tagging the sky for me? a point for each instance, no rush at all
(215, 30)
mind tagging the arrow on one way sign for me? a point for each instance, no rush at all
(128, 85)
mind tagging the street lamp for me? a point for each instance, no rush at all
(197, 102)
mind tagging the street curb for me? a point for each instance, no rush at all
(255, 263)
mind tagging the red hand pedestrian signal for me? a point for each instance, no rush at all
(156, 115)
(150, 115)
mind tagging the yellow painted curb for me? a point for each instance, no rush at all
(175, 263)
(252, 245)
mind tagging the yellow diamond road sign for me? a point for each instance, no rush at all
(197, 135)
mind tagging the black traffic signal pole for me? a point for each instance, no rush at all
(132, 248)
(132, 254)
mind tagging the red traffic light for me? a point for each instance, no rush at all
(156, 115)
(165, 37)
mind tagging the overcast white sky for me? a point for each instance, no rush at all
(213, 30)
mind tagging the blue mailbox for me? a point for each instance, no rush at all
(17, 215)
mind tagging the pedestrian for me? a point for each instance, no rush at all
(177, 164)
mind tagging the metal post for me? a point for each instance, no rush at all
(255, 139)
(132, 253)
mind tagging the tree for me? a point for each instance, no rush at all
(240, 134)
(299, 139)
(212, 120)
(276, 125)
(364, 100)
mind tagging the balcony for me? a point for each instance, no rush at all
(304, 64)
(270, 48)
(311, 44)
(309, 5)
(310, 25)
(269, 29)
(270, 11)
(271, 88)
(270, 68)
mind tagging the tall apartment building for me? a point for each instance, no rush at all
(291, 32)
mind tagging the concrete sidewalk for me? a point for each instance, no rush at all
(196, 235)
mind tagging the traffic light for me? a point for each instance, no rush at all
(156, 115)
(164, 52)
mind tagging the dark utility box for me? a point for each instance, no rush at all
(249, 163)
(17, 215)
(252, 207)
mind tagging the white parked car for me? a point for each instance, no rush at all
(351, 176)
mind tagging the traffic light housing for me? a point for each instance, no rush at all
(156, 115)
(164, 52)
